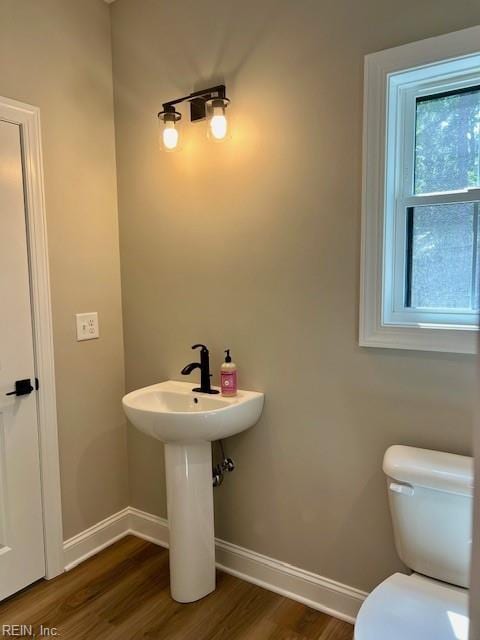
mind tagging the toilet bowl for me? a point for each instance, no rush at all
(412, 608)
(430, 496)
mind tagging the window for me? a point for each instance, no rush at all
(421, 196)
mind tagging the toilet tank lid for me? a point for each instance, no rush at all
(431, 469)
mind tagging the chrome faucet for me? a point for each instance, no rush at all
(204, 366)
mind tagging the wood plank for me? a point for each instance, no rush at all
(123, 594)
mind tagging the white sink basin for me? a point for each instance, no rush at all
(170, 411)
(187, 422)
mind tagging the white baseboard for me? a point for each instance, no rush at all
(127, 521)
(149, 527)
(317, 592)
(323, 594)
(94, 539)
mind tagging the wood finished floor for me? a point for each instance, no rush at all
(122, 594)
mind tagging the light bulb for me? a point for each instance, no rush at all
(218, 124)
(168, 121)
(217, 120)
(170, 136)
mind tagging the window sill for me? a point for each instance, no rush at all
(449, 340)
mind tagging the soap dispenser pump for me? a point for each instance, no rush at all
(228, 376)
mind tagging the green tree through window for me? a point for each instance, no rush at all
(443, 270)
(447, 143)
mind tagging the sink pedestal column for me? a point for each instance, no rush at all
(190, 519)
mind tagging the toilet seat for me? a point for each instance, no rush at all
(415, 608)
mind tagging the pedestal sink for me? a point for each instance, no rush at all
(187, 422)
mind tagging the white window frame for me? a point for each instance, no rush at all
(393, 79)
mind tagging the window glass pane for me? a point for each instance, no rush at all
(447, 142)
(442, 269)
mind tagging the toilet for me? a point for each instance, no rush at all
(431, 503)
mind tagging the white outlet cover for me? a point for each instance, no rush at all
(87, 326)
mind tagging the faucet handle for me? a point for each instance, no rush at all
(202, 346)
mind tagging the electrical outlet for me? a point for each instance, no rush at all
(87, 326)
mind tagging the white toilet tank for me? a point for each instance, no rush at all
(431, 500)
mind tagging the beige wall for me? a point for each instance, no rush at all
(254, 245)
(56, 54)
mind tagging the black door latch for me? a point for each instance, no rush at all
(23, 387)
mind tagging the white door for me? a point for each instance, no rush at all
(21, 523)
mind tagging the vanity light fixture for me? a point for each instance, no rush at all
(208, 104)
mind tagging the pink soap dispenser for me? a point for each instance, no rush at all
(228, 376)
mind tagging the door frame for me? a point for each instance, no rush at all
(28, 118)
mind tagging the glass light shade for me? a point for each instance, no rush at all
(217, 120)
(218, 124)
(169, 131)
(169, 136)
